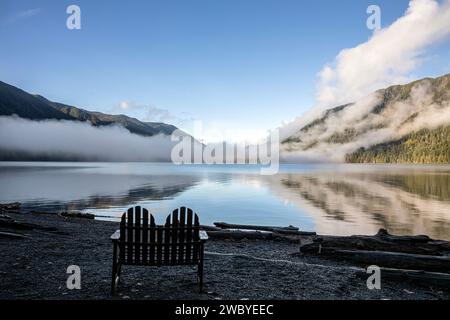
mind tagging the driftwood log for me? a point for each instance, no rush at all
(10, 207)
(7, 222)
(77, 215)
(12, 235)
(224, 225)
(209, 228)
(382, 241)
(280, 230)
(392, 259)
(12, 224)
(42, 212)
(240, 235)
(384, 250)
(420, 277)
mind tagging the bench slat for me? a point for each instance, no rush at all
(176, 242)
(196, 237)
(181, 234)
(189, 235)
(174, 237)
(137, 234)
(167, 240)
(130, 219)
(122, 238)
(152, 239)
(159, 245)
(145, 235)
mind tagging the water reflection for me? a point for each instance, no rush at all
(56, 188)
(330, 199)
(406, 202)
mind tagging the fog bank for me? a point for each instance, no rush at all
(70, 140)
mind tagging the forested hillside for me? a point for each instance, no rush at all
(424, 146)
(386, 126)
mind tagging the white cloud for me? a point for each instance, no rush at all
(23, 15)
(398, 119)
(124, 105)
(29, 13)
(387, 57)
(216, 132)
(80, 140)
(150, 113)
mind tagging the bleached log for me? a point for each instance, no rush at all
(12, 235)
(382, 241)
(77, 215)
(240, 235)
(10, 207)
(391, 259)
(224, 225)
(209, 228)
(423, 277)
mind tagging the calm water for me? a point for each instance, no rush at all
(329, 199)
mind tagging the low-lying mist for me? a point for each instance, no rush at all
(389, 57)
(80, 141)
(358, 126)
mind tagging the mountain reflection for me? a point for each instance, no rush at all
(105, 201)
(329, 199)
(53, 189)
(341, 202)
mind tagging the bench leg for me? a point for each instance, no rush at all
(200, 269)
(114, 270)
(119, 270)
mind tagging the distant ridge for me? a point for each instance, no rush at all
(14, 101)
(400, 124)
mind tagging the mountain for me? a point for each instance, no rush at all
(401, 124)
(423, 146)
(14, 101)
(18, 102)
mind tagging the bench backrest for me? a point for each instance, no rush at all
(142, 242)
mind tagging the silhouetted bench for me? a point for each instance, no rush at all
(141, 242)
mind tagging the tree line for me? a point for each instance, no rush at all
(421, 147)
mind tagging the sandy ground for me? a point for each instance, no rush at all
(35, 268)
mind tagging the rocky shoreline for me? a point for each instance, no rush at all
(34, 264)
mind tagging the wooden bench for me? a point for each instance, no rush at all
(141, 242)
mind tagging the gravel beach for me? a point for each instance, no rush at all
(35, 268)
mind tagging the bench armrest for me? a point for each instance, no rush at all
(115, 236)
(203, 235)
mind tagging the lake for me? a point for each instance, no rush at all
(332, 199)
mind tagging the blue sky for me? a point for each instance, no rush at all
(239, 64)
